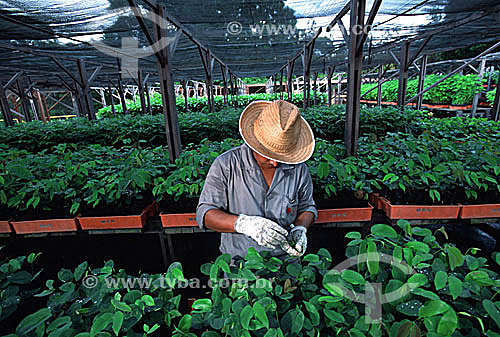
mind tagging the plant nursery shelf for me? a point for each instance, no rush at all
(42, 226)
(408, 212)
(119, 221)
(337, 215)
(484, 211)
(5, 226)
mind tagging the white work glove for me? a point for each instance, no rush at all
(297, 239)
(265, 232)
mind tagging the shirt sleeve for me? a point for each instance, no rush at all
(305, 195)
(214, 193)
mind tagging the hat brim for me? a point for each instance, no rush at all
(301, 151)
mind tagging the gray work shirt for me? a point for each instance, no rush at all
(235, 184)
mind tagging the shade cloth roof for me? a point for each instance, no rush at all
(31, 31)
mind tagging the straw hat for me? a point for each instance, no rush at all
(277, 131)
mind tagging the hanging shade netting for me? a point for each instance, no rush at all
(253, 38)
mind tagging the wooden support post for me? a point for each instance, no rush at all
(208, 66)
(41, 108)
(186, 94)
(496, 103)
(168, 94)
(141, 91)
(329, 75)
(466, 64)
(75, 104)
(24, 101)
(305, 77)
(148, 98)
(403, 73)
(4, 105)
(111, 100)
(45, 109)
(281, 84)
(237, 89)
(421, 81)
(490, 74)
(315, 87)
(379, 85)
(477, 96)
(289, 69)
(78, 95)
(232, 89)
(122, 97)
(224, 71)
(354, 78)
(86, 97)
(103, 98)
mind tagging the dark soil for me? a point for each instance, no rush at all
(342, 200)
(183, 205)
(188, 205)
(40, 214)
(6, 214)
(134, 208)
(454, 197)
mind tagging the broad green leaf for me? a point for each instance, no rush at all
(384, 230)
(185, 323)
(455, 286)
(440, 280)
(410, 308)
(33, 321)
(448, 323)
(455, 257)
(425, 293)
(80, 270)
(479, 277)
(117, 322)
(101, 321)
(311, 258)
(148, 300)
(353, 235)
(202, 305)
(121, 305)
(313, 313)
(245, 316)
(372, 263)
(418, 246)
(433, 308)
(417, 280)
(352, 277)
(492, 311)
(260, 314)
(334, 316)
(294, 269)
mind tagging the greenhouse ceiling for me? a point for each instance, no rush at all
(253, 38)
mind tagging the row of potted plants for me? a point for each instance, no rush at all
(455, 90)
(201, 104)
(149, 131)
(335, 215)
(101, 181)
(427, 286)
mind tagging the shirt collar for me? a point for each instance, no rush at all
(249, 161)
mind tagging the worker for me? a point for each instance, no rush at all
(260, 194)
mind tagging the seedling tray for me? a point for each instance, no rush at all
(45, 226)
(118, 221)
(410, 212)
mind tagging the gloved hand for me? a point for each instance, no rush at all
(297, 239)
(265, 232)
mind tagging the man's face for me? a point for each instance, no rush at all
(264, 162)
